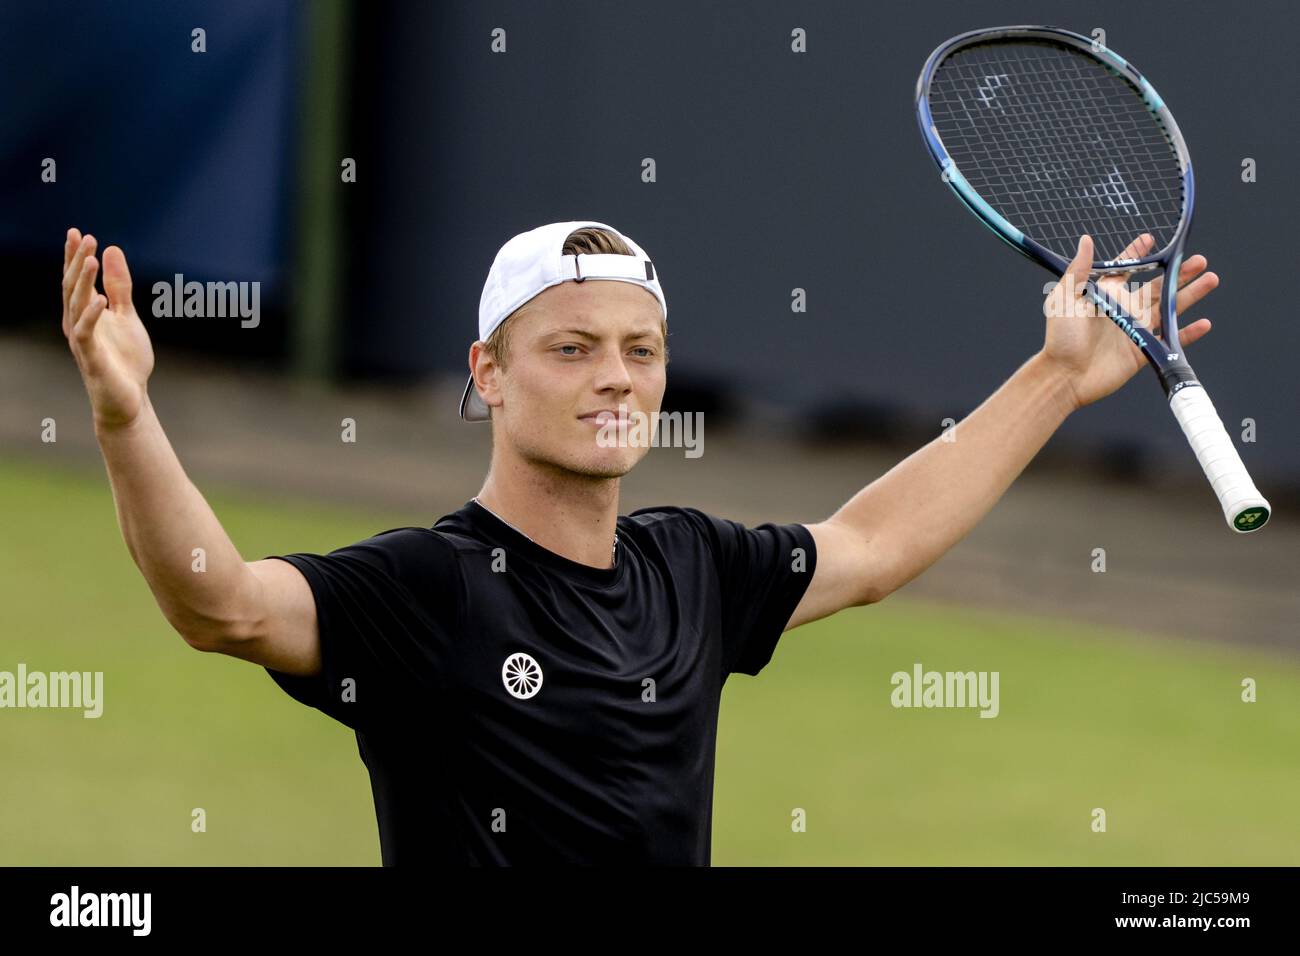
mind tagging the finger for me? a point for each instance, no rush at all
(1138, 247)
(1073, 282)
(117, 279)
(70, 246)
(84, 248)
(1186, 273)
(85, 286)
(83, 333)
(1194, 292)
(1080, 268)
(1134, 250)
(1197, 330)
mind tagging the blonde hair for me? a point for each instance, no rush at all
(589, 240)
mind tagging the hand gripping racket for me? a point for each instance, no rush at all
(1046, 135)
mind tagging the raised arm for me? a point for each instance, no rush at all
(261, 611)
(904, 521)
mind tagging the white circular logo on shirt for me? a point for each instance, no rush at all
(522, 675)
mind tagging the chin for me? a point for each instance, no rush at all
(606, 462)
(606, 466)
(585, 461)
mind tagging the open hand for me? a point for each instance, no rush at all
(1097, 357)
(107, 338)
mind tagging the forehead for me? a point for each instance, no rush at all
(603, 301)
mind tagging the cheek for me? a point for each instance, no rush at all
(544, 394)
(652, 384)
(534, 383)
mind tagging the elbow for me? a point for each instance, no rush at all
(207, 640)
(882, 579)
(874, 593)
(219, 629)
(888, 569)
(211, 636)
(204, 645)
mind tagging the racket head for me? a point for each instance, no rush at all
(1046, 135)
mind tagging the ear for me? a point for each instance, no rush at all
(484, 370)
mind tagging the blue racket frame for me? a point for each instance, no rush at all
(1165, 356)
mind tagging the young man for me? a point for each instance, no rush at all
(536, 678)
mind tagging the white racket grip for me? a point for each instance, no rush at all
(1244, 507)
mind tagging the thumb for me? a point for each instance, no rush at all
(1076, 276)
(117, 280)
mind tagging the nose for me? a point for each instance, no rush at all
(612, 375)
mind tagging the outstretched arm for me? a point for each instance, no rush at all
(904, 521)
(263, 611)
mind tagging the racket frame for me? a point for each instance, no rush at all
(1165, 356)
(1172, 368)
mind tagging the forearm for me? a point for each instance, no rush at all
(164, 518)
(928, 502)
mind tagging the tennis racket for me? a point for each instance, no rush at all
(1046, 135)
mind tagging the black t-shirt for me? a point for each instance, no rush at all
(513, 706)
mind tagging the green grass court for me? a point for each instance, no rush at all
(1152, 730)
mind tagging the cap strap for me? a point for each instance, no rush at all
(606, 266)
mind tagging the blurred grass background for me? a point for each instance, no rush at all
(1151, 730)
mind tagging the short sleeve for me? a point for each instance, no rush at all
(763, 573)
(386, 610)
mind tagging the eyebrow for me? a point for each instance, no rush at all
(645, 333)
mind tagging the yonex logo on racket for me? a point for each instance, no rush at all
(1114, 193)
(1248, 519)
(1119, 319)
(987, 91)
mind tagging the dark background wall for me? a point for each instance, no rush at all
(775, 170)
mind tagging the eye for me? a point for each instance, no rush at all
(647, 350)
(568, 347)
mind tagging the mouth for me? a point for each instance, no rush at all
(605, 416)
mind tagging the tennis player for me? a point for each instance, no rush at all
(535, 678)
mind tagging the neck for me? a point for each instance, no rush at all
(573, 515)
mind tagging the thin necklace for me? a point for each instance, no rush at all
(613, 552)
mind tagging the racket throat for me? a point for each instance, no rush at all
(1175, 376)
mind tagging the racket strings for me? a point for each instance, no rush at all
(1058, 145)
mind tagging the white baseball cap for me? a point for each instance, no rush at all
(530, 263)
